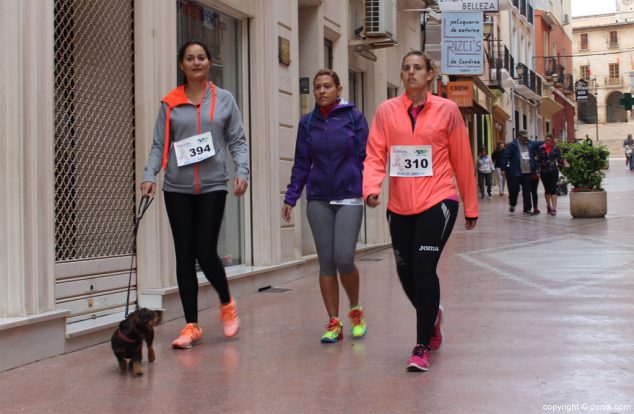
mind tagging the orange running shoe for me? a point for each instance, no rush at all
(229, 318)
(189, 336)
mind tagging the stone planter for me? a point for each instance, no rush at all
(588, 204)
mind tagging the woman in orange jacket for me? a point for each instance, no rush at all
(426, 142)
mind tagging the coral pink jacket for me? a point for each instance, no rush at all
(440, 125)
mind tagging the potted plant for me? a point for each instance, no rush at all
(583, 167)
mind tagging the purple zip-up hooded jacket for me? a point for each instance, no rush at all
(329, 155)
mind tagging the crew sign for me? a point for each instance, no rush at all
(468, 5)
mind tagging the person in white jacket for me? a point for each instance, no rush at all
(485, 168)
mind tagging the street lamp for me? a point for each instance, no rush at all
(555, 77)
(520, 69)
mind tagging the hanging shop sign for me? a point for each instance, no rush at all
(461, 92)
(462, 49)
(469, 5)
(581, 90)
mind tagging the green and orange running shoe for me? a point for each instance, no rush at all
(334, 331)
(357, 321)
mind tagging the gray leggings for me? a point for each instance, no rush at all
(335, 230)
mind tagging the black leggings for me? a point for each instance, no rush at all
(418, 241)
(549, 179)
(195, 220)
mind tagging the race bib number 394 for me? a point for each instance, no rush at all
(194, 149)
(411, 161)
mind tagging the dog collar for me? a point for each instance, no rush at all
(124, 338)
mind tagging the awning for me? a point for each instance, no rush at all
(548, 107)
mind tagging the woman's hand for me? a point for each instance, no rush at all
(373, 200)
(286, 212)
(239, 186)
(470, 224)
(148, 189)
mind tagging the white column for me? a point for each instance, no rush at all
(265, 102)
(26, 168)
(155, 76)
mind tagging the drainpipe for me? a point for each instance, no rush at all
(514, 132)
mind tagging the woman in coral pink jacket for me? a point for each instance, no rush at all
(425, 140)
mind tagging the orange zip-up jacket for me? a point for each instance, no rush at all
(438, 124)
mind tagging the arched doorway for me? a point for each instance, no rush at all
(588, 110)
(615, 112)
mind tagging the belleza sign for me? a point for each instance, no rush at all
(468, 6)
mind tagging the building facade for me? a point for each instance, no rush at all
(82, 96)
(553, 62)
(603, 57)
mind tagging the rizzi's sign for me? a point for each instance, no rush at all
(469, 5)
(462, 48)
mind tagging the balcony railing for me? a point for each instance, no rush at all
(498, 58)
(531, 81)
(550, 64)
(613, 80)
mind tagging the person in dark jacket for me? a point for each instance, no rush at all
(500, 160)
(329, 155)
(521, 168)
(549, 160)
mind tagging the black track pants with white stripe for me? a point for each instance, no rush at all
(418, 241)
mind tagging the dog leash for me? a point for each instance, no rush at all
(143, 206)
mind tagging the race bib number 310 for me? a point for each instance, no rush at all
(411, 161)
(194, 149)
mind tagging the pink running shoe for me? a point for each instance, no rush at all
(436, 340)
(229, 318)
(419, 361)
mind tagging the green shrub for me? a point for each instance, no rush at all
(583, 165)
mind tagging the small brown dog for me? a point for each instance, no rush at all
(127, 340)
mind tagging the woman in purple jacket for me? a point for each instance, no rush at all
(329, 155)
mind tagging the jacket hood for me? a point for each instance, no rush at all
(176, 97)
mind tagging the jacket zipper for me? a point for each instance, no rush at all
(196, 178)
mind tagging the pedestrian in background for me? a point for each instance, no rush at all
(521, 169)
(500, 160)
(196, 124)
(628, 146)
(425, 139)
(485, 169)
(329, 155)
(549, 160)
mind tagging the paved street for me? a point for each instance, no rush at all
(539, 318)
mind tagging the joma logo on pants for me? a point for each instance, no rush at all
(428, 249)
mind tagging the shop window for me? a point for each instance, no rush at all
(221, 34)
